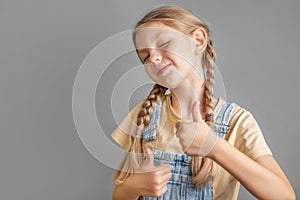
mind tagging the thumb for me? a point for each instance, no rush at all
(149, 158)
(196, 112)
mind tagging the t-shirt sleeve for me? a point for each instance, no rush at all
(249, 138)
(125, 131)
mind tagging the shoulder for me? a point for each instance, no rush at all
(233, 111)
(124, 133)
(245, 133)
(242, 118)
(126, 129)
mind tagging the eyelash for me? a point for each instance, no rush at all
(160, 46)
(164, 44)
(146, 58)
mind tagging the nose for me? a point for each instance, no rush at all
(155, 56)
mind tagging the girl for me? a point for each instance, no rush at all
(196, 146)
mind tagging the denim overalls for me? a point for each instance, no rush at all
(180, 186)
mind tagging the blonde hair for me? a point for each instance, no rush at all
(185, 22)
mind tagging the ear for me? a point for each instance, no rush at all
(200, 38)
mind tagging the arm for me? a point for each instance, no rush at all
(125, 191)
(262, 177)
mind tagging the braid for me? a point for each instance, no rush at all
(147, 107)
(210, 56)
(185, 22)
(134, 156)
(203, 168)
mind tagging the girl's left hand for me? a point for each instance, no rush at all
(196, 138)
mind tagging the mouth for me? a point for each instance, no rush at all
(164, 68)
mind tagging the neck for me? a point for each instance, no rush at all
(185, 95)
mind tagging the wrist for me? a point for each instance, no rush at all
(127, 189)
(220, 149)
(133, 186)
(209, 142)
(216, 150)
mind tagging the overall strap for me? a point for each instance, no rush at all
(221, 124)
(149, 133)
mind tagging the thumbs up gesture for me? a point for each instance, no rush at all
(196, 137)
(150, 180)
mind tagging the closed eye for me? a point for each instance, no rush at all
(146, 58)
(164, 44)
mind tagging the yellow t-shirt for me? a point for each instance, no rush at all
(244, 134)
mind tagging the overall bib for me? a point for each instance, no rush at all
(180, 186)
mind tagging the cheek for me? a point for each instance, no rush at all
(150, 72)
(187, 57)
(183, 49)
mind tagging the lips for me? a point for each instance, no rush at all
(163, 68)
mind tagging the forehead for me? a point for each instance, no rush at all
(148, 33)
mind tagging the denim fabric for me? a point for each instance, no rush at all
(149, 133)
(180, 186)
(221, 125)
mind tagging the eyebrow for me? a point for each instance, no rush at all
(141, 51)
(155, 36)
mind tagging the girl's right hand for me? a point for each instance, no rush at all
(150, 180)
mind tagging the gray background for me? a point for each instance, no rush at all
(43, 43)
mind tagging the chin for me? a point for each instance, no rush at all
(170, 84)
(171, 81)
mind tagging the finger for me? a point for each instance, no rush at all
(160, 170)
(160, 191)
(149, 158)
(166, 177)
(164, 189)
(163, 180)
(177, 125)
(178, 131)
(164, 168)
(196, 112)
(163, 184)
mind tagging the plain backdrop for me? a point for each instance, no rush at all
(43, 43)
